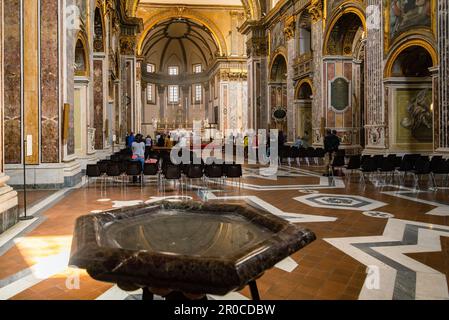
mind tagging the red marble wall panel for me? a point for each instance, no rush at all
(330, 76)
(98, 103)
(12, 85)
(49, 82)
(347, 71)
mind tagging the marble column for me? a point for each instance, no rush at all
(291, 110)
(162, 102)
(317, 48)
(443, 103)
(9, 213)
(98, 103)
(49, 62)
(257, 79)
(375, 126)
(138, 95)
(12, 99)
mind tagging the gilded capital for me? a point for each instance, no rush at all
(289, 29)
(316, 10)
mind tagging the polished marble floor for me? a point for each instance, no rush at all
(374, 241)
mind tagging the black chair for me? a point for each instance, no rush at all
(171, 172)
(368, 166)
(353, 165)
(364, 158)
(379, 160)
(319, 154)
(387, 167)
(234, 171)
(294, 154)
(422, 168)
(442, 168)
(92, 171)
(116, 158)
(214, 172)
(284, 152)
(103, 166)
(397, 162)
(113, 171)
(310, 154)
(134, 169)
(194, 171)
(337, 163)
(151, 170)
(407, 165)
(302, 154)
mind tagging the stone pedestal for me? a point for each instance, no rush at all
(9, 212)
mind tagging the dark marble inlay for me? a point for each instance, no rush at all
(98, 103)
(187, 247)
(49, 82)
(405, 284)
(12, 72)
(8, 218)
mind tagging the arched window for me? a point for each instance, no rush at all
(81, 62)
(414, 61)
(98, 31)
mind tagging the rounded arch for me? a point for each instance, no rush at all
(82, 65)
(186, 14)
(305, 84)
(426, 45)
(253, 9)
(335, 18)
(276, 66)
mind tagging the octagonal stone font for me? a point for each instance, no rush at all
(340, 201)
(189, 247)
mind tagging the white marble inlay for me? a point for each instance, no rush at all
(261, 204)
(439, 210)
(429, 282)
(115, 293)
(46, 268)
(287, 264)
(378, 214)
(123, 204)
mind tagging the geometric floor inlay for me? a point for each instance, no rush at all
(378, 214)
(392, 274)
(335, 201)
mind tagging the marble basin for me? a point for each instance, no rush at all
(188, 247)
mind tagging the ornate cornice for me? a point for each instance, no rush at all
(128, 45)
(257, 46)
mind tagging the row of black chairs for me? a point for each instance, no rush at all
(391, 165)
(310, 154)
(163, 170)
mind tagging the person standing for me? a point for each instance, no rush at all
(131, 140)
(331, 145)
(138, 148)
(148, 146)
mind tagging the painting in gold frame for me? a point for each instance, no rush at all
(402, 18)
(413, 116)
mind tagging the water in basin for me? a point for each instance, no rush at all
(185, 233)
